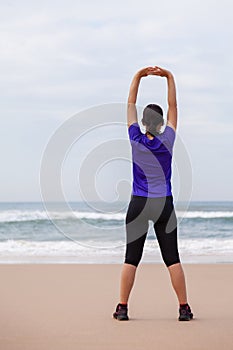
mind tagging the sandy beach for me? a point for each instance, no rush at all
(70, 306)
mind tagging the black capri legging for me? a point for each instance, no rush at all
(161, 211)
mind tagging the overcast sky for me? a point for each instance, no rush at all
(62, 57)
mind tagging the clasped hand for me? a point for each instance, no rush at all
(153, 71)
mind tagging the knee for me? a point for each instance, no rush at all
(134, 251)
(132, 261)
(170, 262)
(132, 257)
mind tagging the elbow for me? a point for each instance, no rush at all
(132, 98)
(172, 104)
(131, 102)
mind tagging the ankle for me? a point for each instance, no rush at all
(183, 304)
(123, 304)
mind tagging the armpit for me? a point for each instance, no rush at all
(171, 125)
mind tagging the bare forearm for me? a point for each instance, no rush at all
(171, 90)
(133, 91)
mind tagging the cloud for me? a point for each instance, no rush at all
(60, 57)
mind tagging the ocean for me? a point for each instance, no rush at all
(95, 233)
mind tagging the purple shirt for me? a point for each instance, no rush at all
(151, 162)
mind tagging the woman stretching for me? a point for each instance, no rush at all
(151, 197)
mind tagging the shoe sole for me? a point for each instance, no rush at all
(121, 318)
(185, 318)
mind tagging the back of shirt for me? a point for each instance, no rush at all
(151, 162)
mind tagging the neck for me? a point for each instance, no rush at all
(149, 135)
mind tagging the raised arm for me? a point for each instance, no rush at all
(172, 104)
(133, 91)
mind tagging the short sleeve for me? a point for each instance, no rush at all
(134, 132)
(169, 136)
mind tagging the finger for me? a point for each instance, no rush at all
(154, 70)
(154, 73)
(158, 74)
(158, 69)
(150, 70)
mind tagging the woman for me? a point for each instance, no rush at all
(151, 197)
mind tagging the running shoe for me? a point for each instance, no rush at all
(185, 313)
(121, 313)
